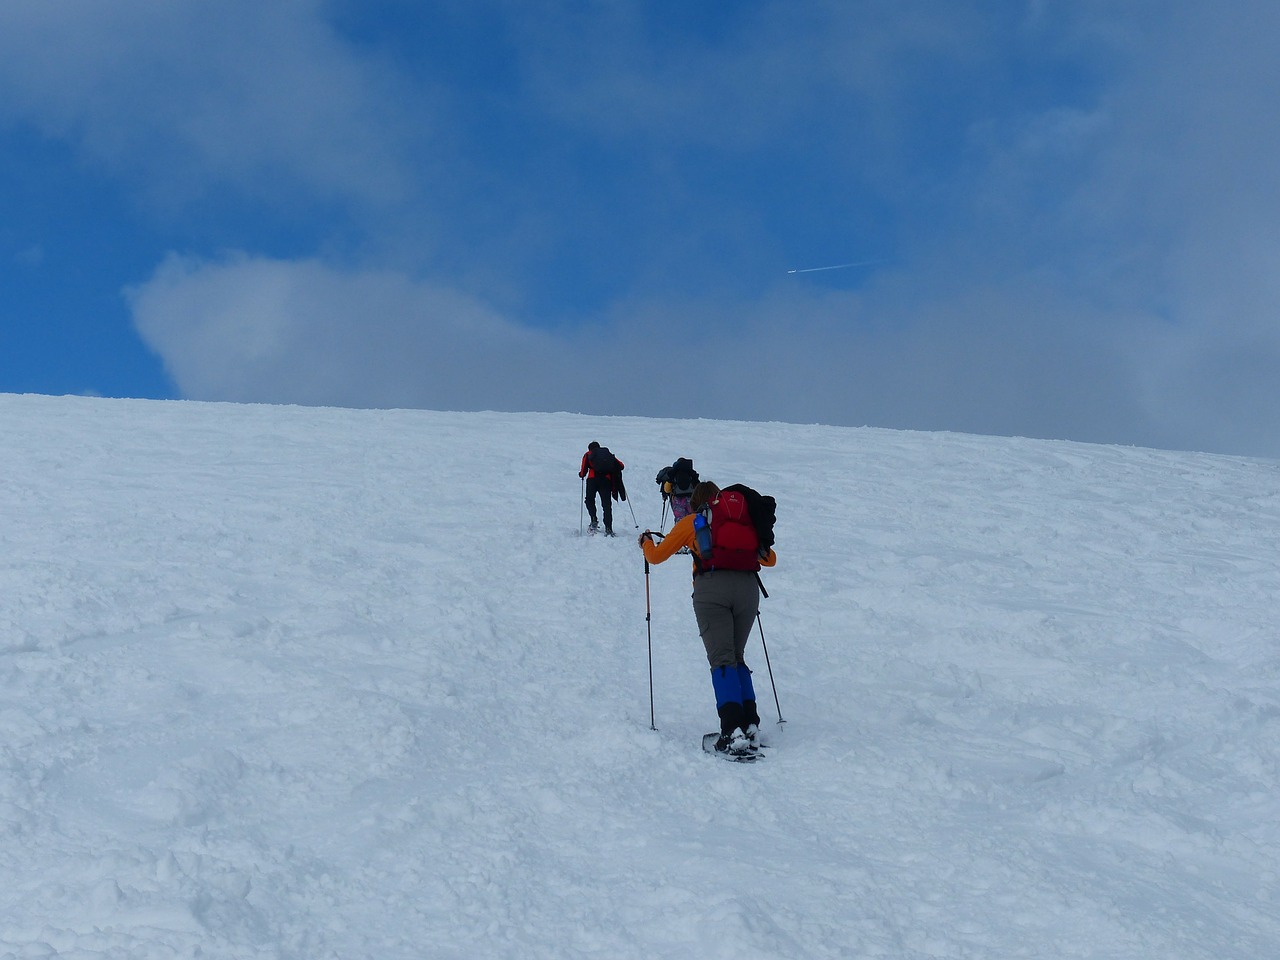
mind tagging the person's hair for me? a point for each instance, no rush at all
(703, 494)
(593, 445)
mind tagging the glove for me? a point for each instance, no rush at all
(643, 537)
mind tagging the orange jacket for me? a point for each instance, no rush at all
(683, 535)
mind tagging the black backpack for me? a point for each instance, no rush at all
(603, 462)
(763, 512)
(683, 477)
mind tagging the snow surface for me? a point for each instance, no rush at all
(309, 683)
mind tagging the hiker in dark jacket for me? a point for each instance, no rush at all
(676, 483)
(725, 603)
(604, 477)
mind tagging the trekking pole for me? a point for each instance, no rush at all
(663, 522)
(770, 666)
(633, 514)
(760, 624)
(648, 623)
(582, 501)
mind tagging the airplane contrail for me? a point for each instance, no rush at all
(838, 266)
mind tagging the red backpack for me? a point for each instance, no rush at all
(733, 541)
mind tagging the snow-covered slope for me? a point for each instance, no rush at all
(307, 683)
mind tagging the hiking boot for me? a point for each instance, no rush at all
(594, 526)
(751, 734)
(608, 531)
(734, 744)
(730, 718)
(729, 743)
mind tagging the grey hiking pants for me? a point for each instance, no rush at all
(725, 602)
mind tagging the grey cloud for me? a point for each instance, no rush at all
(622, 70)
(258, 330)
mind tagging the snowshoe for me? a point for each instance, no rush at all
(733, 747)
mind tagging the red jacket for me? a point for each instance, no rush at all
(586, 471)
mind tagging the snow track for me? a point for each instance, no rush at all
(303, 683)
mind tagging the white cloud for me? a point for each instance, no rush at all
(179, 97)
(254, 329)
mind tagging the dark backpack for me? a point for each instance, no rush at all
(683, 477)
(727, 538)
(603, 462)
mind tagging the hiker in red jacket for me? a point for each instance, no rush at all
(604, 476)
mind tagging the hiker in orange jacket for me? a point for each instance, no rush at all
(725, 604)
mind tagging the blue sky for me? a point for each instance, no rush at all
(1067, 214)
